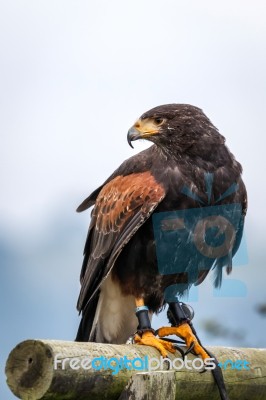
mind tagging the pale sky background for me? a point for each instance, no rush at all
(74, 76)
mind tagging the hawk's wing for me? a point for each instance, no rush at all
(121, 207)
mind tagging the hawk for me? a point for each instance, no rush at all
(188, 167)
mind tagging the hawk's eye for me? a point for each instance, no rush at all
(158, 120)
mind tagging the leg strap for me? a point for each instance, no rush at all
(142, 313)
(179, 313)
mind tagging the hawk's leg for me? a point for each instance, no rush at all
(145, 334)
(182, 327)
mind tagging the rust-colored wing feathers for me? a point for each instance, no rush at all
(121, 207)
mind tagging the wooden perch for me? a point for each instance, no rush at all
(49, 369)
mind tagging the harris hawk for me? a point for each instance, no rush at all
(187, 168)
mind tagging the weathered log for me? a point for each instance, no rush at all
(48, 369)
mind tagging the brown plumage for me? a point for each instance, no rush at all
(120, 261)
(118, 202)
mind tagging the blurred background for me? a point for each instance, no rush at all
(74, 77)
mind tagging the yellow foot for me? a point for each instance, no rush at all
(184, 332)
(149, 339)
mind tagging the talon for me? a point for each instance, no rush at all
(174, 344)
(181, 351)
(190, 348)
(148, 339)
(184, 331)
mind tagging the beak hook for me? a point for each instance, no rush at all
(133, 134)
(129, 142)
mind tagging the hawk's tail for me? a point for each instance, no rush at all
(85, 327)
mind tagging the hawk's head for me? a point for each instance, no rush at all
(175, 127)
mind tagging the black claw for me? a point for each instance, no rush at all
(180, 351)
(173, 340)
(191, 347)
